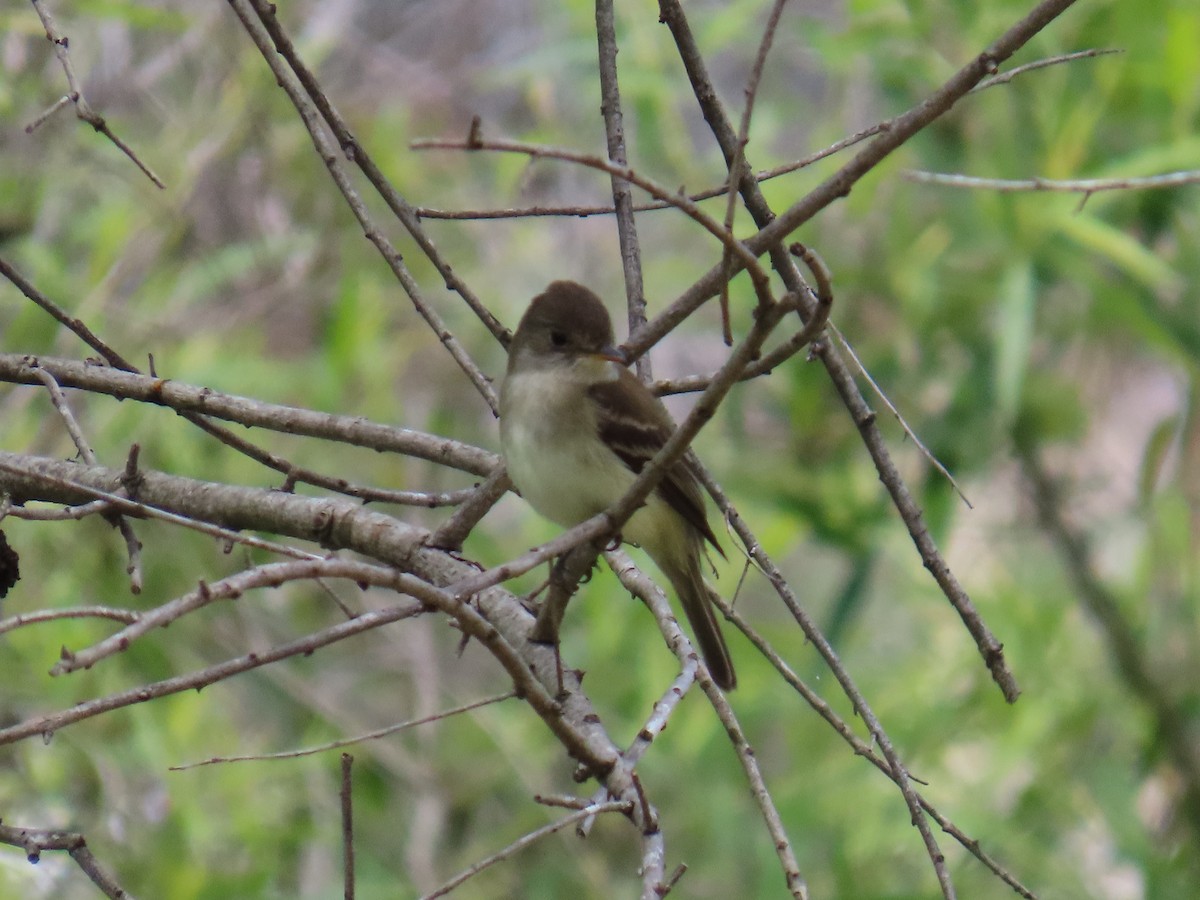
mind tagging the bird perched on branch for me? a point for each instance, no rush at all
(578, 427)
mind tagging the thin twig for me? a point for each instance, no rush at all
(251, 14)
(678, 199)
(132, 545)
(47, 725)
(409, 217)
(82, 108)
(525, 841)
(864, 749)
(614, 131)
(35, 841)
(451, 533)
(739, 154)
(579, 212)
(653, 597)
(1067, 186)
(1006, 77)
(350, 741)
(810, 333)
(271, 575)
(76, 325)
(114, 613)
(898, 771)
(903, 127)
(883, 397)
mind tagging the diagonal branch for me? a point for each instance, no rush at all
(894, 134)
(645, 590)
(35, 841)
(248, 14)
(355, 152)
(83, 109)
(775, 229)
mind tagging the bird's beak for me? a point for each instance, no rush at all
(613, 354)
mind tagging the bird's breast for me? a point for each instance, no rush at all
(553, 452)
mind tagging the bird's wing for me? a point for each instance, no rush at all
(635, 425)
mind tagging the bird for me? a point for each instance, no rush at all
(577, 427)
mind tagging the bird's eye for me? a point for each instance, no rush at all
(558, 338)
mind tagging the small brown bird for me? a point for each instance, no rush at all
(578, 427)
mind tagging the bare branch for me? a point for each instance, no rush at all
(1006, 77)
(614, 130)
(572, 721)
(912, 435)
(354, 151)
(82, 108)
(892, 135)
(739, 155)
(70, 513)
(495, 618)
(248, 14)
(593, 809)
(813, 328)
(231, 588)
(75, 612)
(75, 325)
(185, 398)
(47, 725)
(645, 590)
(858, 137)
(1077, 186)
(350, 741)
(864, 749)
(451, 533)
(769, 239)
(293, 472)
(64, 480)
(678, 199)
(132, 544)
(898, 771)
(35, 841)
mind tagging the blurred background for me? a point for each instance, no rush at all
(1028, 339)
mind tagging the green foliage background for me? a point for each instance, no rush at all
(997, 323)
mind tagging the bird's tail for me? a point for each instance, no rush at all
(696, 598)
